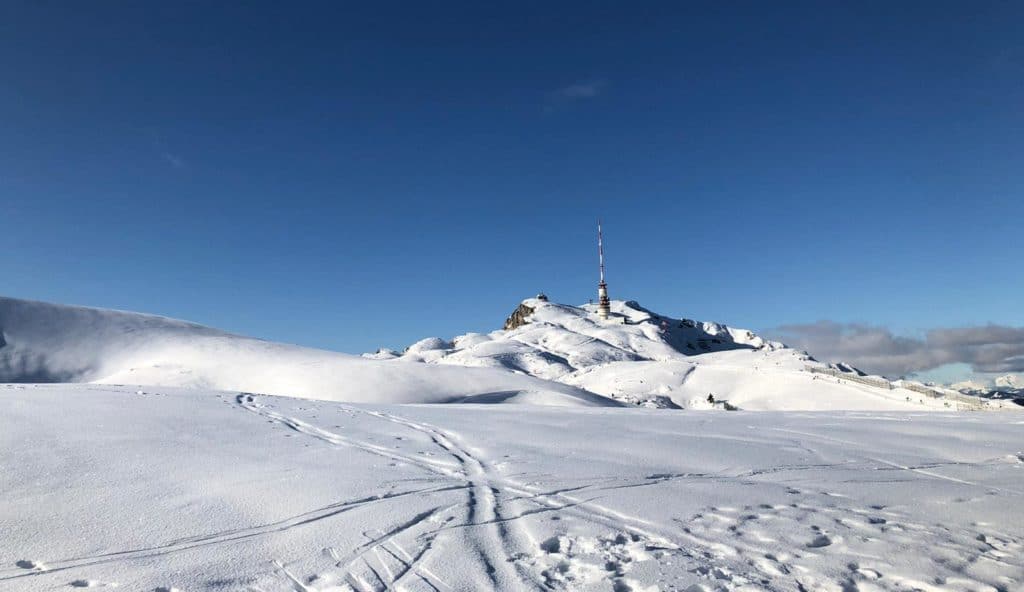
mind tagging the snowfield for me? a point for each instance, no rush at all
(173, 489)
(242, 464)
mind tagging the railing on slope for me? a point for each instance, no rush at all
(963, 402)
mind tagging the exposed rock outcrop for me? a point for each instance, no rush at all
(519, 317)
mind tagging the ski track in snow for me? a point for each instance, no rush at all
(743, 562)
(725, 547)
(921, 470)
(485, 506)
(217, 538)
(489, 505)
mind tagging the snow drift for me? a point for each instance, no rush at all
(42, 342)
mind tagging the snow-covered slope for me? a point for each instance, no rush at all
(645, 358)
(42, 342)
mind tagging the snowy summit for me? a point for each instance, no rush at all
(640, 357)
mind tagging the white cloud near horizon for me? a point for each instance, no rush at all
(877, 350)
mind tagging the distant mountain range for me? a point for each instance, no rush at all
(1008, 386)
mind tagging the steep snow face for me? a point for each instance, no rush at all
(642, 357)
(53, 343)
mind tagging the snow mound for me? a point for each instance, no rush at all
(645, 358)
(55, 343)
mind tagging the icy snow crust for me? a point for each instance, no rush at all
(653, 360)
(54, 343)
(193, 490)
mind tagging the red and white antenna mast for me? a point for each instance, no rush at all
(603, 304)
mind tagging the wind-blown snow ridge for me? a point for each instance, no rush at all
(646, 358)
(56, 343)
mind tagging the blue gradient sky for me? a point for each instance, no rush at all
(348, 177)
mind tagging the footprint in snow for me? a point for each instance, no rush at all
(29, 564)
(92, 584)
(865, 572)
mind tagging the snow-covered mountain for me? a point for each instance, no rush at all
(1013, 381)
(1005, 387)
(550, 354)
(641, 357)
(42, 342)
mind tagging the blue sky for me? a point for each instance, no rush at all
(351, 177)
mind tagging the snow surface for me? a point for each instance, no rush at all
(196, 483)
(54, 343)
(192, 490)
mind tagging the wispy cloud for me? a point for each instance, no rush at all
(987, 349)
(162, 150)
(173, 159)
(581, 90)
(578, 91)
